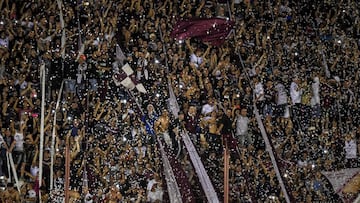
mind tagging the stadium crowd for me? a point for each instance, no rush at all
(295, 62)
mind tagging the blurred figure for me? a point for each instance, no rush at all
(162, 127)
(295, 94)
(149, 119)
(315, 102)
(242, 128)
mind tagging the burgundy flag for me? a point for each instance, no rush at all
(127, 79)
(210, 30)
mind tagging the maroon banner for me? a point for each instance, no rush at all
(209, 30)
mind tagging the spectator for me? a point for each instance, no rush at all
(162, 127)
(242, 131)
(350, 148)
(315, 101)
(278, 41)
(295, 94)
(154, 189)
(259, 94)
(192, 123)
(225, 129)
(149, 119)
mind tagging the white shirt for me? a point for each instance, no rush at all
(88, 198)
(19, 144)
(295, 93)
(156, 195)
(350, 149)
(197, 60)
(4, 42)
(281, 94)
(302, 163)
(34, 170)
(81, 72)
(315, 86)
(207, 108)
(242, 125)
(142, 62)
(150, 184)
(259, 91)
(141, 152)
(142, 74)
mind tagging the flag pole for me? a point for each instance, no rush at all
(54, 137)
(67, 168)
(264, 134)
(271, 153)
(13, 168)
(42, 121)
(175, 195)
(204, 179)
(226, 173)
(137, 103)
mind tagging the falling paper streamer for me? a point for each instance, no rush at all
(208, 30)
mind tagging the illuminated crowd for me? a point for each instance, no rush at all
(293, 62)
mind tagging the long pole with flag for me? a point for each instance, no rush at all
(53, 138)
(42, 120)
(13, 168)
(213, 31)
(63, 34)
(264, 135)
(67, 150)
(271, 153)
(226, 173)
(172, 185)
(67, 168)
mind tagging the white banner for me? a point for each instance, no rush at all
(339, 179)
(204, 179)
(271, 153)
(172, 186)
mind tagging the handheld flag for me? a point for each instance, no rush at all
(127, 79)
(209, 30)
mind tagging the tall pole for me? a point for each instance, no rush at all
(67, 169)
(271, 153)
(226, 173)
(54, 137)
(42, 118)
(263, 133)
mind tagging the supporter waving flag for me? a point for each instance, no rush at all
(127, 79)
(208, 30)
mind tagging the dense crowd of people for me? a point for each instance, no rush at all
(293, 62)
